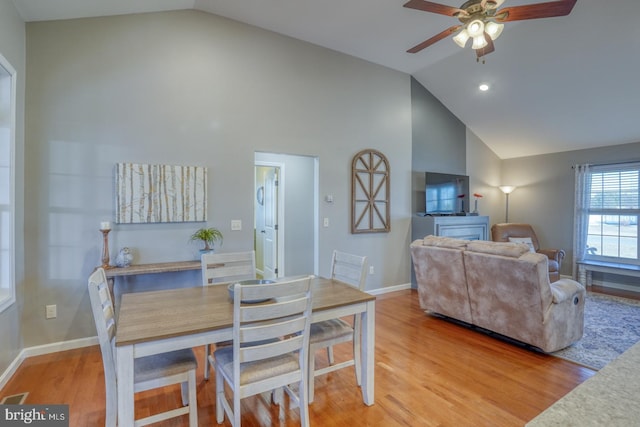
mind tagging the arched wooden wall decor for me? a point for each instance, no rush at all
(370, 193)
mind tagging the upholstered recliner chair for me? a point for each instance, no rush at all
(513, 232)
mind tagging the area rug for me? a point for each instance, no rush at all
(611, 326)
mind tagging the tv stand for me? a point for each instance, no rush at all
(460, 227)
(466, 227)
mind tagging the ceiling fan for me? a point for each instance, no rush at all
(482, 22)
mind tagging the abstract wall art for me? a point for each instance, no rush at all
(160, 193)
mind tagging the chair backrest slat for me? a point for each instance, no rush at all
(261, 332)
(273, 310)
(348, 268)
(226, 267)
(273, 349)
(276, 326)
(105, 321)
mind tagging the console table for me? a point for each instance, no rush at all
(155, 268)
(585, 268)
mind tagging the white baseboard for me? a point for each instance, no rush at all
(43, 349)
(388, 289)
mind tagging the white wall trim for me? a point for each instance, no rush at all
(44, 349)
(388, 289)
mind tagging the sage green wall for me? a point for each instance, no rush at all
(192, 88)
(13, 48)
(544, 197)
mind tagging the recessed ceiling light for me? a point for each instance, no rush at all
(484, 87)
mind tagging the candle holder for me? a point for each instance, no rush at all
(105, 248)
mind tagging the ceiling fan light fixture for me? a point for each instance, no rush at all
(475, 28)
(479, 42)
(494, 29)
(461, 38)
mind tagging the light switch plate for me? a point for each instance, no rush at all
(236, 225)
(51, 311)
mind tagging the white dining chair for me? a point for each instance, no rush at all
(270, 346)
(350, 269)
(175, 367)
(222, 268)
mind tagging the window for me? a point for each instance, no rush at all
(613, 211)
(7, 145)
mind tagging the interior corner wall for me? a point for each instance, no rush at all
(13, 48)
(544, 196)
(438, 141)
(192, 88)
(484, 168)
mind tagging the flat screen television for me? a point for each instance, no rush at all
(446, 194)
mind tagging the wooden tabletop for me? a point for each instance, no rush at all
(149, 316)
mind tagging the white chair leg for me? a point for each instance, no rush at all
(330, 355)
(207, 352)
(310, 375)
(304, 403)
(193, 405)
(111, 410)
(184, 393)
(219, 397)
(357, 359)
(236, 409)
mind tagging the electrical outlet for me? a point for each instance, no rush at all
(371, 269)
(236, 225)
(51, 311)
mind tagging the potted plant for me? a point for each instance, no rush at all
(209, 236)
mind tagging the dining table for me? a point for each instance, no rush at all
(165, 320)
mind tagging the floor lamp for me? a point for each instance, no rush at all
(507, 189)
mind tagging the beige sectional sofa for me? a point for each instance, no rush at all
(501, 287)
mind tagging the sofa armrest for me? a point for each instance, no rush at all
(565, 289)
(554, 254)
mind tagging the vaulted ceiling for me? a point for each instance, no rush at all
(556, 84)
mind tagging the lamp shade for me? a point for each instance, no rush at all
(479, 42)
(475, 28)
(494, 29)
(461, 38)
(507, 189)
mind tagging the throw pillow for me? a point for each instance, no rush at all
(526, 240)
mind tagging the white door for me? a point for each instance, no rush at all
(267, 220)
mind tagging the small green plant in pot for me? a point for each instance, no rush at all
(209, 236)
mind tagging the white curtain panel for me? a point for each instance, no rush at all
(581, 214)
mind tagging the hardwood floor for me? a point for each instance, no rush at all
(429, 372)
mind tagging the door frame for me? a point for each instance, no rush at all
(280, 219)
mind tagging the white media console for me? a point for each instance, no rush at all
(459, 227)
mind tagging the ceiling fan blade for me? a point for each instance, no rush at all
(417, 48)
(487, 49)
(428, 6)
(536, 11)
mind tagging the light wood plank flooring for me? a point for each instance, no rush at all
(429, 372)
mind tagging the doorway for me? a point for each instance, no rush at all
(285, 214)
(267, 219)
